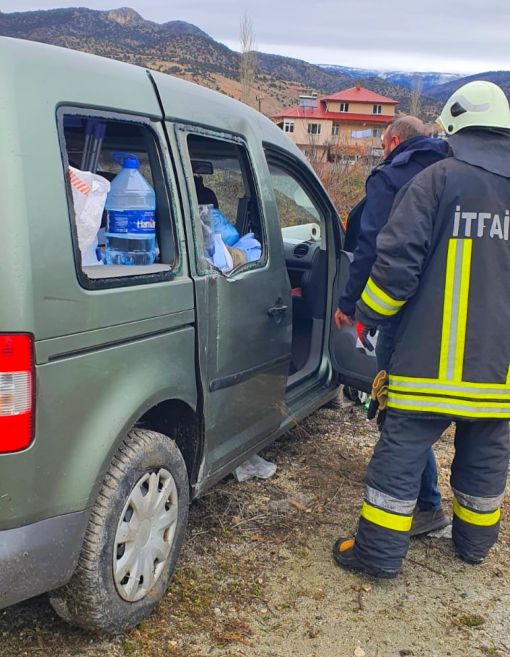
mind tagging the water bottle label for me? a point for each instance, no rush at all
(135, 222)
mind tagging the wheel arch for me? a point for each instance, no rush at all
(179, 421)
(173, 416)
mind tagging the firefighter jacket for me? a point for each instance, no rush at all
(443, 263)
(368, 217)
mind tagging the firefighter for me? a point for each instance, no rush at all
(407, 151)
(449, 281)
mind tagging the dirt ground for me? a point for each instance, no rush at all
(256, 577)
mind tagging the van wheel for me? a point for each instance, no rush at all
(133, 539)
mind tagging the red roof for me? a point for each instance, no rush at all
(319, 113)
(359, 95)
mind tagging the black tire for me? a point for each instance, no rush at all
(91, 599)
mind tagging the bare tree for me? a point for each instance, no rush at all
(248, 57)
(415, 101)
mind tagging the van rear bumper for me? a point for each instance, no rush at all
(39, 557)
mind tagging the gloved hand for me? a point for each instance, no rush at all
(363, 333)
(379, 398)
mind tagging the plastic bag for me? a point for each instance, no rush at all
(206, 221)
(255, 466)
(221, 257)
(250, 246)
(89, 196)
(221, 225)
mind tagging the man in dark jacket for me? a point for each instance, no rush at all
(407, 151)
(449, 281)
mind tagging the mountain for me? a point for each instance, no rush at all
(443, 91)
(407, 79)
(184, 50)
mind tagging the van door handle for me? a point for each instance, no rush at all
(277, 312)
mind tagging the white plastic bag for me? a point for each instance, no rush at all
(221, 257)
(89, 197)
(255, 466)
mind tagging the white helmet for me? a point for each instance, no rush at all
(475, 104)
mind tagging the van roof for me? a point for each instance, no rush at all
(43, 73)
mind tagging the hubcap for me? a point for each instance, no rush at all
(145, 534)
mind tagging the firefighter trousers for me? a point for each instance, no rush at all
(392, 482)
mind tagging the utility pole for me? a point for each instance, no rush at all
(259, 100)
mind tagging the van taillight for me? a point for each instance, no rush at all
(16, 392)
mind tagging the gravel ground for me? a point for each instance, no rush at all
(256, 577)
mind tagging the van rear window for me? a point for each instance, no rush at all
(121, 218)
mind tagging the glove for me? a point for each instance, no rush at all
(379, 398)
(363, 333)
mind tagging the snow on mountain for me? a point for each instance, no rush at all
(406, 79)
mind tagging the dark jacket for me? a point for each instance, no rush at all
(443, 265)
(404, 162)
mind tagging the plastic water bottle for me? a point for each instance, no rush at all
(131, 216)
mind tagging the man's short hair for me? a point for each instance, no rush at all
(406, 127)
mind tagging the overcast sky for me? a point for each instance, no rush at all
(427, 35)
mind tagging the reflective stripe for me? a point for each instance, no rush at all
(377, 497)
(480, 504)
(385, 519)
(447, 308)
(379, 301)
(455, 306)
(460, 342)
(449, 406)
(374, 304)
(397, 378)
(449, 388)
(383, 296)
(475, 518)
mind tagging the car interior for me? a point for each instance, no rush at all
(304, 245)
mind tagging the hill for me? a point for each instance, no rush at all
(184, 50)
(402, 78)
(443, 91)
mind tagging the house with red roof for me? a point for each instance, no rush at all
(347, 122)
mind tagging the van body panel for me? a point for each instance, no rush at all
(85, 406)
(39, 557)
(76, 343)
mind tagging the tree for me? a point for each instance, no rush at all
(415, 100)
(248, 57)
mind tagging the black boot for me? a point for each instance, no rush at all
(343, 554)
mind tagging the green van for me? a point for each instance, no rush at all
(128, 390)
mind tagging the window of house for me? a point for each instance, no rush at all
(231, 231)
(377, 133)
(344, 107)
(335, 129)
(377, 109)
(288, 126)
(314, 128)
(117, 236)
